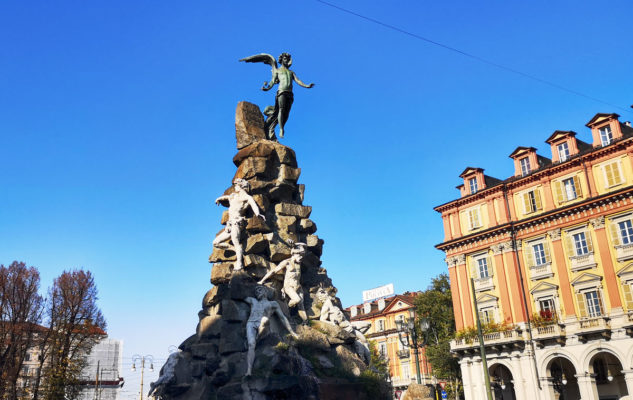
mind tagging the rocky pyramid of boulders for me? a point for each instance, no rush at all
(323, 361)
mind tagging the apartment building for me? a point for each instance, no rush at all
(549, 254)
(383, 315)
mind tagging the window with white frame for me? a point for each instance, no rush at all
(580, 243)
(406, 372)
(487, 315)
(569, 186)
(532, 201)
(567, 189)
(546, 305)
(381, 325)
(474, 219)
(482, 269)
(593, 303)
(612, 174)
(472, 182)
(563, 152)
(540, 257)
(525, 166)
(606, 136)
(382, 349)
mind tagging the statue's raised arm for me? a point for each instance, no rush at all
(284, 77)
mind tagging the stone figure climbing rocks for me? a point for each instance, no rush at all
(239, 201)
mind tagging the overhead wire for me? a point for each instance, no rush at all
(472, 56)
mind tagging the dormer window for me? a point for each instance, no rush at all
(525, 166)
(563, 151)
(472, 183)
(606, 136)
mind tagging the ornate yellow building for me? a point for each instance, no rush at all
(550, 254)
(383, 314)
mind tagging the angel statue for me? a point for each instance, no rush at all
(283, 101)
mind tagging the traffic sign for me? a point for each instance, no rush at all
(444, 395)
(442, 385)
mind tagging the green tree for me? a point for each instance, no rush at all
(436, 306)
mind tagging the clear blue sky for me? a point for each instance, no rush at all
(116, 131)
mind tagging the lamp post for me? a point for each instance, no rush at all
(406, 330)
(142, 359)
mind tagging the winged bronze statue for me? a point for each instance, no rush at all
(278, 115)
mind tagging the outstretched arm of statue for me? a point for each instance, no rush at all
(255, 208)
(284, 321)
(271, 272)
(221, 198)
(269, 85)
(300, 83)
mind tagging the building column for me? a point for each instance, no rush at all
(587, 387)
(500, 272)
(467, 379)
(518, 380)
(602, 243)
(628, 378)
(561, 270)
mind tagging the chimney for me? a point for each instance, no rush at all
(627, 123)
(353, 311)
(381, 304)
(367, 308)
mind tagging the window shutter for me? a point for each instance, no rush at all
(537, 200)
(589, 242)
(558, 189)
(617, 177)
(569, 246)
(548, 258)
(614, 231)
(491, 270)
(582, 304)
(602, 309)
(628, 296)
(529, 256)
(474, 273)
(526, 203)
(577, 186)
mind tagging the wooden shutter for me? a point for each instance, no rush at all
(617, 177)
(529, 255)
(582, 304)
(628, 296)
(577, 186)
(491, 270)
(614, 231)
(569, 245)
(589, 241)
(537, 200)
(548, 258)
(527, 207)
(474, 272)
(558, 189)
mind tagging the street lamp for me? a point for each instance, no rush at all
(142, 359)
(406, 329)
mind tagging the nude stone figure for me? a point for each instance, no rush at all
(262, 309)
(292, 278)
(239, 201)
(334, 315)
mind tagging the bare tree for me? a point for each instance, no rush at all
(75, 325)
(20, 313)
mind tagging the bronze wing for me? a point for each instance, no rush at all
(264, 58)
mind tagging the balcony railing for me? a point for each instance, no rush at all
(485, 283)
(491, 339)
(541, 271)
(581, 262)
(624, 252)
(404, 353)
(594, 325)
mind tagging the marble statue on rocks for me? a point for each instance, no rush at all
(262, 309)
(284, 99)
(292, 278)
(239, 201)
(334, 315)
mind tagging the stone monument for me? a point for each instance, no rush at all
(261, 334)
